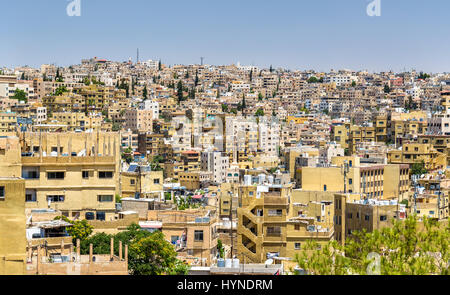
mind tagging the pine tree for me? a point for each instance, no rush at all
(180, 91)
(145, 92)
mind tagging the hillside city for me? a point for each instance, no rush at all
(231, 169)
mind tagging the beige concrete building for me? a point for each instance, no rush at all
(77, 173)
(12, 226)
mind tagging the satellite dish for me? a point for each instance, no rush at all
(269, 262)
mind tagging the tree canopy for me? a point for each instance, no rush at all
(149, 253)
(409, 247)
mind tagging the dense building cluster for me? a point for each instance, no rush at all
(228, 162)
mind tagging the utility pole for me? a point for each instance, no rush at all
(231, 224)
(345, 170)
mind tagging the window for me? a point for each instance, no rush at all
(297, 227)
(132, 181)
(103, 198)
(30, 173)
(2, 192)
(105, 174)
(383, 217)
(367, 217)
(85, 174)
(156, 181)
(325, 188)
(198, 236)
(55, 198)
(350, 181)
(90, 216)
(297, 246)
(55, 175)
(277, 212)
(101, 216)
(349, 215)
(30, 197)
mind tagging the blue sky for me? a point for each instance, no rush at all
(297, 34)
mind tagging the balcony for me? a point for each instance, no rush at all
(38, 161)
(275, 200)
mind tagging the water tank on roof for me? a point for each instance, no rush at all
(228, 263)
(235, 263)
(220, 262)
(261, 178)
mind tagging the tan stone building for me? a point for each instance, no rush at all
(12, 226)
(76, 173)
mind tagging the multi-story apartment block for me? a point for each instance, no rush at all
(217, 163)
(415, 153)
(76, 173)
(355, 214)
(372, 180)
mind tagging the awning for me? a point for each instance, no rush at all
(197, 197)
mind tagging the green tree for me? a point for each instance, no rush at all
(80, 229)
(153, 255)
(259, 112)
(418, 168)
(260, 97)
(20, 95)
(220, 249)
(313, 80)
(127, 155)
(145, 92)
(224, 108)
(180, 96)
(196, 79)
(387, 89)
(116, 127)
(60, 90)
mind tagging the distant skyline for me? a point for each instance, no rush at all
(293, 34)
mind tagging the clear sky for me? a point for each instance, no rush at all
(296, 34)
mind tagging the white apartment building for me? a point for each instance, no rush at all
(340, 80)
(269, 137)
(150, 105)
(241, 135)
(153, 64)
